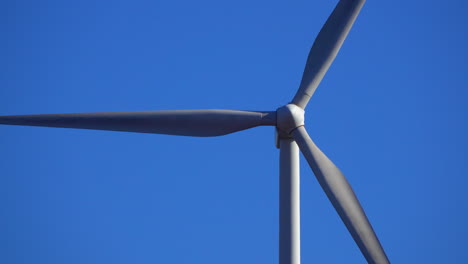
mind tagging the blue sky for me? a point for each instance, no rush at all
(391, 113)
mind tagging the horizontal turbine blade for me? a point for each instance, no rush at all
(326, 47)
(197, 123)
(342, 197)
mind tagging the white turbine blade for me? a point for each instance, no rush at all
(342, 197)
(326, 47)
(198, 123)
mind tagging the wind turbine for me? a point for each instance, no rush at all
(291, 136)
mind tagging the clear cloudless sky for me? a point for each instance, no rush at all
(391, 113)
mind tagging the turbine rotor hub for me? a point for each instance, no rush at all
(288, 118)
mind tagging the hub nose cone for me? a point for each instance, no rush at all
(289, 117)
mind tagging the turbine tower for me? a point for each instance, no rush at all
(291, 137)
